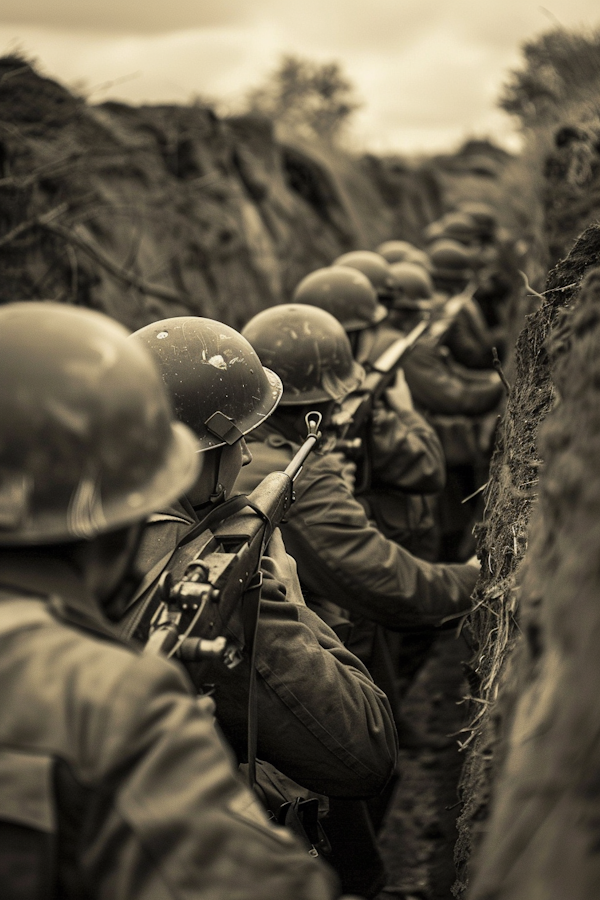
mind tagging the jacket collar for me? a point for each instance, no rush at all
(55, 582)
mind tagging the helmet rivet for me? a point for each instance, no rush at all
(161, 335)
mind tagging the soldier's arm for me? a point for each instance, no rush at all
(344, 558)
(321, 720)
(407, 453)
(439, 387)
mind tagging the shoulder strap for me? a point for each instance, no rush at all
(178, 558)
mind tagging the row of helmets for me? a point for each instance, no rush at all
(86, 481)
(360, 286)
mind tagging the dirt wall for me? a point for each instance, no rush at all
(156, 211)
(512, 679)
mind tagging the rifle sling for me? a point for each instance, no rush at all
(178, 558)
(250, 618)
(220, 513)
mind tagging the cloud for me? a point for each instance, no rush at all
(428, 71)
(133, 16)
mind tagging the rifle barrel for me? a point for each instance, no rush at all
(390, 358)
(313, 420)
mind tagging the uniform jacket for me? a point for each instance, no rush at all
(342, 557)
(106, 750)
(439, 384)
(406, 452)
(408, 464)
(321, 720)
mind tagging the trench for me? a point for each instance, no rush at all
(158, 211)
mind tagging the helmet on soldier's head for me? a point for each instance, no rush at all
(412, 280)
(87, 438)
(459, 226)
(374, 266)
(395, 251)
(216, 381)
(483, 215)
(452, 264)
(405, 253)
(309, 350)
(345, 293)
(450, 255)
(434, 231)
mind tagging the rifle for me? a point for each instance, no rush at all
(356, 409)
(189, 616)
(358, 406)
(451, 310)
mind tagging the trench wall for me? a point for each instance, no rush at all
(156, 211)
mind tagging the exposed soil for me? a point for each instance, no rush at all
(419, 833)
(542, 839)
(502, 541)
(148, 212)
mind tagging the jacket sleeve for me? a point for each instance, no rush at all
(444, 387)
(321, 720)
(181, 824)
(407, 453)
(470, 339)
(342, 557)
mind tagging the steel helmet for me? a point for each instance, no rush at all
(309, 350)
(420, 257)
(345, 293)
(87, 438)
(374, 266)
(395, 251)
(412, 280)
(402, 251)
(483, 215)
(434, 231)
(460, 227)
(216, 381)
(451, 255)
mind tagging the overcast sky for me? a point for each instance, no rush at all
(428, 71)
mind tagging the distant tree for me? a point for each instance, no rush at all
(560, 68)
(313, 99)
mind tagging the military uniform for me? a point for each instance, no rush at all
(313, 694)
(341, 557)
(104, 753)
(408, 467)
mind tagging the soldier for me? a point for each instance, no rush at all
(340, 556)
(405, 458)
(405, 467)
(321, 720)
(113, 780)
(313, 693)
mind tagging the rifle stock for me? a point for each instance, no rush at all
(192, 615)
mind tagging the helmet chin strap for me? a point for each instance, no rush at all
(219, 494)
(224, 428)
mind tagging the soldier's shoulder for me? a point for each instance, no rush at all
(92, 659)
